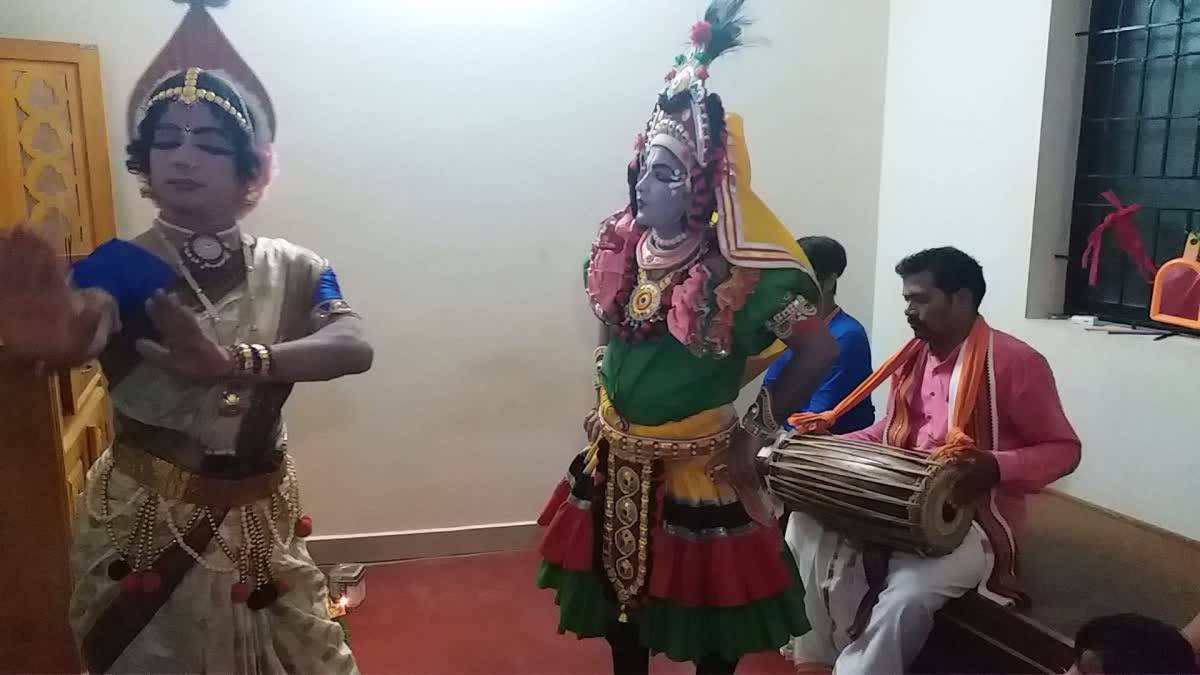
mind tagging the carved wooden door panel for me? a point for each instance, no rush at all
(54, 163)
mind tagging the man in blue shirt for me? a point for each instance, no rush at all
(853, 364)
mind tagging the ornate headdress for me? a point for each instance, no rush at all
(698, 309)
(693, 125)
(198, 63)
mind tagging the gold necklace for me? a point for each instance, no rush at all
(647, 299)
(233, 399)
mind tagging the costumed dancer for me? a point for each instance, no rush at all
(189, 551)
(659, 539)
(958, 387)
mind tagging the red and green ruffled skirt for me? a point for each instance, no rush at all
(715, 581)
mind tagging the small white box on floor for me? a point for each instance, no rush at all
(349, 581)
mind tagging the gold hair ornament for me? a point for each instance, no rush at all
(190, 93)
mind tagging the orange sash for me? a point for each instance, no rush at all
(900, 365)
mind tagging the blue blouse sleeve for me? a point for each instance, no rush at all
(328, 300)
(126, 271)
(327, 288)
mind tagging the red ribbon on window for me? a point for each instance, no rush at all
(1121, 222)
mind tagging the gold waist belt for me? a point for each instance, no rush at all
(174, 482)
(642, 449)
(704, 433)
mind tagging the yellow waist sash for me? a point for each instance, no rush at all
(702, 434)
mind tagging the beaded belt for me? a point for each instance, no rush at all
(673, 444)
(643, 449)
(174, 482)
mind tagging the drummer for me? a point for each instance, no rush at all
(853, 364)
(1031, 445)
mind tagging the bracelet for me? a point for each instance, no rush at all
(759, 421)
(251, 359)
(242, 356)
(262, 362)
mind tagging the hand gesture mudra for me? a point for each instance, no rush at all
(182, 347)
(41, 316)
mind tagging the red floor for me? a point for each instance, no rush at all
(480, 615)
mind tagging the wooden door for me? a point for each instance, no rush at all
(54, 176)
(54, 163)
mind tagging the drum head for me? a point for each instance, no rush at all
(945, 525)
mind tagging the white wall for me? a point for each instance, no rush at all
(453, 158)
(980, 119)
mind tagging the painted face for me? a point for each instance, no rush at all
(662, 191)
(192, 168)
(930, 311)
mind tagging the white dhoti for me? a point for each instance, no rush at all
(834, 581)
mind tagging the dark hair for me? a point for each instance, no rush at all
(1137, 645)
(952, 271)
(246, 159)
(827, 256)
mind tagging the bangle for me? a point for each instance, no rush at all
(262, 360)
(251, 359)
(760, 419)
(243, 358)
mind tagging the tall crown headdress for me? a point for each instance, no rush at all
(692, 123)
(198, 46)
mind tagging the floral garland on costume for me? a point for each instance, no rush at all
(698, 301)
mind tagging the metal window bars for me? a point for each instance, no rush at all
(1139, 137)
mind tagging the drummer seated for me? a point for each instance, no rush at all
(853, 364)
(1029, 445)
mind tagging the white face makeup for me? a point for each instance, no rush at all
(663, 193)
(192, 166)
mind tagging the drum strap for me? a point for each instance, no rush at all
(974, 360)
(810, 423)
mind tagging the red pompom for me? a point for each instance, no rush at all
(132, 583)
(702, 72)
(151, 582)
(240, 592)
(701, 33)
(639, 141)
(670, 75)
(281, 586)
(304, 526)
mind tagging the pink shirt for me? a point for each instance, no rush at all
(1036, 445)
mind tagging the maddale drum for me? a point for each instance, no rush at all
(881, 494)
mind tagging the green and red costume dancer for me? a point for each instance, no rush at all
(642, 544)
